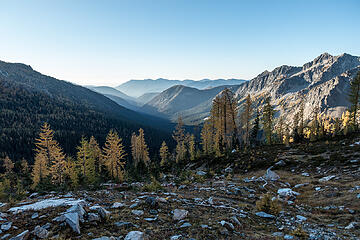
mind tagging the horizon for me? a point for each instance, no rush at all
(107, 44)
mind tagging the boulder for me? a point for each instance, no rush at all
(136, 235)
(328, 178)
(118, 205)
(180, 214)
(137, 212)
(22, 236)
(271, 175)
(287, 193)
(40, 232)
(6, 226)
(93, 217)
(104, 214)
(72, 219)
(264, 215)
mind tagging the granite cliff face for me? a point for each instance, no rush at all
(322, 83)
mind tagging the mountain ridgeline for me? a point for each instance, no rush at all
(322, 83)
(137, 88)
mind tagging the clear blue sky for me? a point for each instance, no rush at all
(109, 42)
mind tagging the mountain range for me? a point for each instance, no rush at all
(322, 83)
(136, 88)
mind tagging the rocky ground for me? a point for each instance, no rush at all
(315, 188)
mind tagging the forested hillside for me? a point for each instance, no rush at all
(28, 99)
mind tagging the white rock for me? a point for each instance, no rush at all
(264, 215)
(200, 173)
(118, 205)
(22, 236)
(6, 226)
(180, 214)
(175, 237)
(47, 203)
(325, 179)
(135, 235)
(271, 175)
(301, 218)
(305, 174)
(72, 219)
(40, 232)
(138, 212)
(287, 192)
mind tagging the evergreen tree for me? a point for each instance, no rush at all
(83, 156)
(268, 119)
(113, 155)
(164, 154)
(94, 165)
(179, 137)
(207, 137)
(255, 129)
(49, 158)
(314, 126)
(354, 98)
(246, 117)
(190, 139)
(139, 149)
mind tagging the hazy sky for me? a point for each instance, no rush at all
(108, 42)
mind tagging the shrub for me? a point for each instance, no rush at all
(154, 186)
(266, 204)
(300, 233)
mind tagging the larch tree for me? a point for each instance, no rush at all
(281, 129)
(190, 139)
(268, 120)
(94, 163)
(139, 148)
(314, 126)
(179, 137)
(83, 156)
(207, 135)
(224, 114)
(354, 98)
(8, 165)
(246, 118)
(164, 154)
(49, 158)
(114, 155)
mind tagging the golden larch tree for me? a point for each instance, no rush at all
(114, 155)
(164, 154)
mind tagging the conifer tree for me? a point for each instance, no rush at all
(268, 119)
(314, 128)
(255, 129)
(179, 137)
(191, 145)
(49, 158)
(280, 129)
(301, 120)
(207, 137)
(94, 164)
(223, 115)
(113, 155)
(83, 156)
(164, 154)
(72, 172)
(139, 149)
(246, 117)
(354, 98)
(8, 165)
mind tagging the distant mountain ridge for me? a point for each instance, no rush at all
(322, 83)
(137, 88)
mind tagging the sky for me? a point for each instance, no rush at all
(109, 42)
